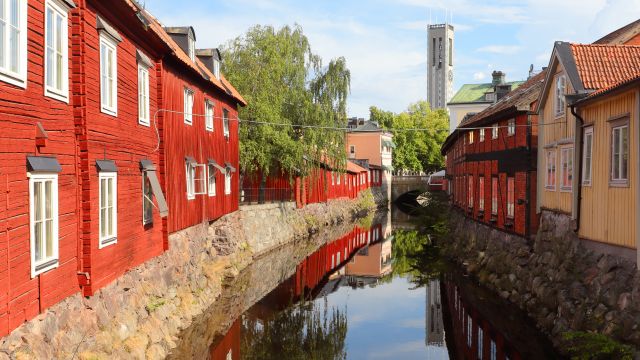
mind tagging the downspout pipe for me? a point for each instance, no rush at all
(577, 195)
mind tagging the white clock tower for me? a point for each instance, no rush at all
(440, 65)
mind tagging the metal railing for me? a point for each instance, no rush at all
(256, 195)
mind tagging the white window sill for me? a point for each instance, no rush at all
(44, 267)
(212, 195)
(14, 79)
(619, 183)
(107, 242)
(191, 197)
(57, 95)
(209, 130)
(550, 188)
(565, 189)
(144, 122)
(188, 123)
(107, 111)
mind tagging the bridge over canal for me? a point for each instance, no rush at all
(410, 183)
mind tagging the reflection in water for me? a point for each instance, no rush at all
(360, 297)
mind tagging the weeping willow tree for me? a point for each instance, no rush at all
(286, 86)
(303, 331)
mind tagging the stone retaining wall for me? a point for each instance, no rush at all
(141, 314)
(561, 284)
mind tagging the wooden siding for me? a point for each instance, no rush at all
(608, 214)
(555, 129)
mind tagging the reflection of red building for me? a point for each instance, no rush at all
(228, 347)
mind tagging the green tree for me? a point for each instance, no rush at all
(284, 82)
(416, 150)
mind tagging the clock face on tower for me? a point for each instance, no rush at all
(450, 75)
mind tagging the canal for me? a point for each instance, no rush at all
(378, 290)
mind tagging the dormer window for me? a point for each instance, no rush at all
(216, 68)
(192, 48)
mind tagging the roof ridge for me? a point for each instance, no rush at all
(606, 45)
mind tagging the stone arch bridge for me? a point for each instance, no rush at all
(401, 185)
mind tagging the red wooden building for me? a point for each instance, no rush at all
(491, 162)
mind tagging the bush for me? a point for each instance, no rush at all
(593, 346)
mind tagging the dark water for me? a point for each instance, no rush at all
(380, 291)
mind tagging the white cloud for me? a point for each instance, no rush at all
(479, 76)
(503, 12)
(500, 49)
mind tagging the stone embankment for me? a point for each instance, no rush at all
(562, 285)
(141, 315)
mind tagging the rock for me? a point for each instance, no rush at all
(623, 301)
(156, 352)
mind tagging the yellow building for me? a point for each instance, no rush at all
(588, 143)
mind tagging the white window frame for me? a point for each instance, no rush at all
(470, 189)
(560, 91)
(209, 110)
(17, 78)
(469, 331)
(494, 195)
(511, 203)
(190, 171)
(108, 239)
(511, 127)
(192, 48)
(110, 44)
(494, 131)
(189, 96)
(618, 179)
(227, 182)
(51, 91)
(225, 123)
(211, 175)
(146, 199)
(587, 156)
(551, 167)
(352, 150)
(144, 117)
(470, 137)
(480, 342)
(216, 68)
(566, 155)
(493, 351)
(43, 178)
(481, 135)
(481, 193)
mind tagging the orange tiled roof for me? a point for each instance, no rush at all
(613, 87)
(354, 168)
(601, 66)
(196, 65)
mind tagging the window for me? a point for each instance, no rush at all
(481, 193)
(511, 127)
(566, 168)
(338, 180)
(481, 135)
(216, 68)
(480, 340)
(352, 150)
(470, 192)
(192, 48)
(620, 154)
(560, 105)
(494, 195)
(493, 349)
(188, 106)
(196, 174)
(208, 115)
(108, 208)
(450, 52)
(227, 182)
(108, 76)
(13, 42)
(212, 180)
(433, 52)
(43, 201)
(143, 95)
(469, 331)
(225, 122)
(494, 131)
(510, 198)
(56, 58)
(470, 137)
(147, 201)
(587, 149)
(550, 181)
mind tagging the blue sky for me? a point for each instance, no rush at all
(385, 44)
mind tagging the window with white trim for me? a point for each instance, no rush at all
(494, 196)
(480, 341)
(192, 48)
(620, 153)
(227, 182)
(147, 199)
(587, 153)
(471, 137)
(188, 106)
(550, 179)
(56, 55)
(13, 42)
(208, 115)
(482, 135)
(143, 95)
(470, 191)
(560, 102)
(43, 212)
(225, 122)
(108, 75)
(108, 206)
(196, 179)
(566, 168)
(216, 68)
(481, 193)
(511, 197)
(494, 131)
(511, 127)
(212, 180)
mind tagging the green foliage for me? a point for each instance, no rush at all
(154, 304)
(303, 331)
(284, 82)
(415, 150)
(593, 346)
(366, 201)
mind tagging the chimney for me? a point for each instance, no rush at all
(502, 90)
(498, 78)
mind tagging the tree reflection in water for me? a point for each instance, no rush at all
(302, 331)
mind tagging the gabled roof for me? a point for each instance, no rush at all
(612, 88)
(197, 65)
(368, 126)
(355, 168)
(183, 30)
(621, 36)
(475, 93)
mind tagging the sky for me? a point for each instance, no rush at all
(385, 41)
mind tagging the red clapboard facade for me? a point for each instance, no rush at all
(491, 162)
